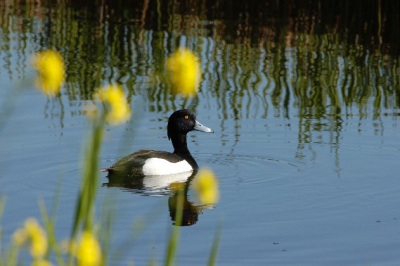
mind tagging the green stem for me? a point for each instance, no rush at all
(173, 242)
(51, 234)
(214, 249)
(84, 212)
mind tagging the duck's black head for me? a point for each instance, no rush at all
(183, 121)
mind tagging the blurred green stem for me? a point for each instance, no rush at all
(49, 223)
(2, 204)
(214, 249)
(85, 205)
(173, 242)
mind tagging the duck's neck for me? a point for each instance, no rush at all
(181, 149)
(180, 144)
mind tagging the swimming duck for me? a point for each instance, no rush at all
(155, 163)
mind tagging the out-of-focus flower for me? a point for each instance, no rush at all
(117, 107)
(33, 233)
(51, 72)
(206, 186)
(184, 72)
(38, 238)
(88, 250)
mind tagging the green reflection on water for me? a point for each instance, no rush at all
(283, 59)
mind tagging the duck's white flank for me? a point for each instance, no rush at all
(158, 166)
(155, 182)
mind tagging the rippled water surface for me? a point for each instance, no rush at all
(306, 144)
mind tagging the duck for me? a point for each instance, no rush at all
(160, 163)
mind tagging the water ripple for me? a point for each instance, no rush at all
(248, 169)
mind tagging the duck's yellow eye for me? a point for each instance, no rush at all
(186, 117)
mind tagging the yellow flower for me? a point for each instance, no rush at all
(88, 251)
(50, 67)
(184, 72)
(206, 186)
(118, 110)
(36, 236)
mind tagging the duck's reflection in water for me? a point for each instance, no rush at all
(167, 185)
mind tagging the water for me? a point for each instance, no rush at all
(305, 146)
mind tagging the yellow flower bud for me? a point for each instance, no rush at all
(117, 111)
(184, 72)
(206, 186)
(51, 72)
(88, 251)
(37, 237)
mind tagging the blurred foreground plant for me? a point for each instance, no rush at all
(33, 236)
(117, 110)
(51, 73)
(87, 251)
(206, 186)
(184, 72)
(83, 248)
